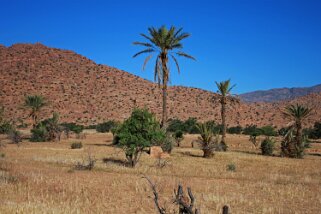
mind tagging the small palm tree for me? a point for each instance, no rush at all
(294, 138)
(224, 89)
(35, 103)
(208, 140)
(165, 43)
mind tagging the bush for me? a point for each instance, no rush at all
(39, 134)
(316, 131)
(76, 145)
(252, 130)
(178, 136)
(106, 126)
(231, 167)
(168, 142)
(139, 131)
(267, 146)
(175, 125)
(15, 136)
(73, 127)
(5, 125)
(235, 130)
(268, 131)
(47, 130)
(188, 126)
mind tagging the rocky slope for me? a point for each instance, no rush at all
(279, 94)
(88, 93)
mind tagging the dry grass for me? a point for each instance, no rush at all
(43, 182)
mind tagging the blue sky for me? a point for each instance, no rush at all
(259, 44)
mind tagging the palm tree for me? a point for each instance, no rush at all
(165, 43)
(224, 89)
(208, 140)
(35, 103)
(297, 113)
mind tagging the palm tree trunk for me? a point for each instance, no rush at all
(299, 142)
(165, 80)
(164, 115)
(223, 112)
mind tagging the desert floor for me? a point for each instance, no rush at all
(39, 178)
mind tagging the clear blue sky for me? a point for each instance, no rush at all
(259, 44)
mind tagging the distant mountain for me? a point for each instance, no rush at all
(279, 94)
(84, 92)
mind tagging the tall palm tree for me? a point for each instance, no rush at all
(224, 89)
(35, 103)
(164, 43)
(297, 113)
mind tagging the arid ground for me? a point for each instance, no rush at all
(39, 178)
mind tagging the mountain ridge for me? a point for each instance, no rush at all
(279, 94)
(88, 93)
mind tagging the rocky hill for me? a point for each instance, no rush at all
(279, 94)
(88, 93)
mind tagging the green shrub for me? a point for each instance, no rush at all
(175, 125)
(235, 130)
(5, 125)
(15, 136)
(167, 143)
(231, 167)
(139, 131)
(178, 136)
(267, 146)
(252, 130)
(316, 131)
(39, 134)
(268, 131)
(47, 130)
(73, 127)
(106, 126)
(76, 145)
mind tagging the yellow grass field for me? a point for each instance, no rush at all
(38, 178)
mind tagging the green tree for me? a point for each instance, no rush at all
(294, 143)
(139, 131)
(165, 43)
(224, 89)
(35, 103)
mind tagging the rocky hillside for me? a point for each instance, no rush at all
(279, 94)
(88, 93)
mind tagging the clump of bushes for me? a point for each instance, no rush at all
(72, 127)
(106, 126)
(76, 145)
(267, 146)
(235, 130)
(139, 131)
(47, 130)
